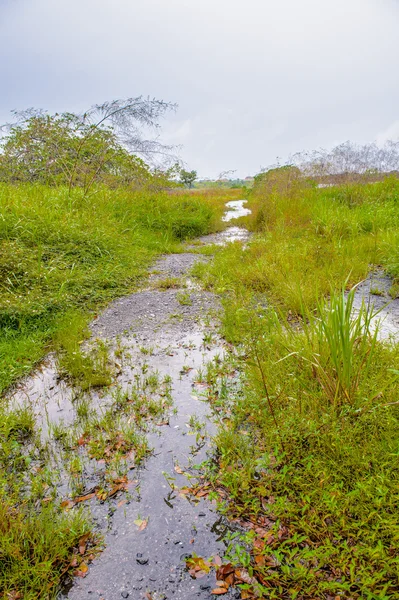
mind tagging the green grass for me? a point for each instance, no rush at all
(63, 257)
(37, 537)
(308, 451)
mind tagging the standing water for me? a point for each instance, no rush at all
(170, 334)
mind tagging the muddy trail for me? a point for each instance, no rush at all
(150, 527)
(163, 341)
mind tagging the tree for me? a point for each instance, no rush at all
(188, 177)
(105, 144)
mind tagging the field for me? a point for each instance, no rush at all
(308, 454)
(64, 257)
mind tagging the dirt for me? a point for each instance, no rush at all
(171, 332)
(374, 291)
(135, 563)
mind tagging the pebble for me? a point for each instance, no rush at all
(125, 594)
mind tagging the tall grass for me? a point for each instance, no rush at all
(345, 345)
(308, 450)
(70, 254)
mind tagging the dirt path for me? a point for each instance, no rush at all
(177, 337)
(171, 333)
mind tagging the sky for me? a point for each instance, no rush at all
(255, 80)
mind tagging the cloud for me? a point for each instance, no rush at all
(253, 80)
(390, 133)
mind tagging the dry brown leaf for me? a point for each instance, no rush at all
(82, 543)
(84, 498)
(14, 595)
(247, 595)
(198, 574)
(82, 571)
(219, 591)
(117, 488)
(179, 470)
(67, 504)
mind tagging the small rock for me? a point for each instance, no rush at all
(142, 561)
(125, 594)
(201, 514)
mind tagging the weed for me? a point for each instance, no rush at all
(184, 298)
(311, 425)
(168, 283)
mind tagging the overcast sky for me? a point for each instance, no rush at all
(254, 79)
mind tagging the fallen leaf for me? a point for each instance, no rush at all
(179, 470)
(246, 595)
(82, 542)
(14, 595)
(84, 498)
(117, 488)
(102, 495)
(67, 504)
(82, 571)
(219, 591)
(198, 574)
(141, 523)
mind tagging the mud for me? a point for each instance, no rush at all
(151, 563)
(172, 333)
(374, 292)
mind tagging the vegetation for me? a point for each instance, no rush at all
(64, 255)
(187, 178)
(104, 145)
(307, 455)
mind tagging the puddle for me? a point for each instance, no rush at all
(374, 291)
(236, 210)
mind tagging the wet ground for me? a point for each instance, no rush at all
(171, 333)
(374, 292)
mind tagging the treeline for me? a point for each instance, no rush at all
(104, 145)
(344, 164)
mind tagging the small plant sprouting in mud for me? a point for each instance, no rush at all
(195, 424)
(376, 291)
(184, 298)
(169, 283)
(198, 429)
(185, 370)
(147, 351)
(394, 290)
(177, 317)
(208, 338)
